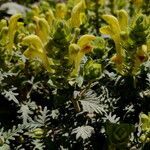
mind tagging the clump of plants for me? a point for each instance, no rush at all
(74, 75)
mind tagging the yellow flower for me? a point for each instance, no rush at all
(36, 50)
(77, 51)
(61, 10)
(73, 50)
(49, 16)
(42, 29)
(116, 59)
(12, 28)
(141, 56)
(76, 14)
(142, 53)
(115, 28)
(35, 10)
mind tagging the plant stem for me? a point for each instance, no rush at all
(76, 105)
(113, 6)
(76, 101)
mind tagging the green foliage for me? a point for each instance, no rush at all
(118, 134)
(69, 81)
(92, 70)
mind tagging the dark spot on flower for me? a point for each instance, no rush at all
(87, 48)
(142, 58)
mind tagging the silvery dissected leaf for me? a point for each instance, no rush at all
(20, 147)
(148, 78)
(11, 95)
(112, 118)
(83, 131)
(6, 74)
(38, 144)
(26, 110)
(91, 103)
(12, 133)
(43, 118)
(129, 108)
(5, 147)
(111, 75)
(13, 8)
(147, 93)
(54, 114)
(76, 94)
(21, 56)
(92, 106)
(25, 113)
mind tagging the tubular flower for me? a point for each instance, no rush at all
(13, 25)
(73, 50)
(61, 10)
(142, 53)
(50, 17)
(35, 11)
(42, 29)
(115, 28)
(123, 20)
(36, 50)
(76, 14)
(77, 51)
(140, 57)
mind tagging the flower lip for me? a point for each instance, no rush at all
(142, 58)
(87, 48)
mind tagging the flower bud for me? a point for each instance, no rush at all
(73, 51)
(92, 70)
(38, 133)
(75, 19)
